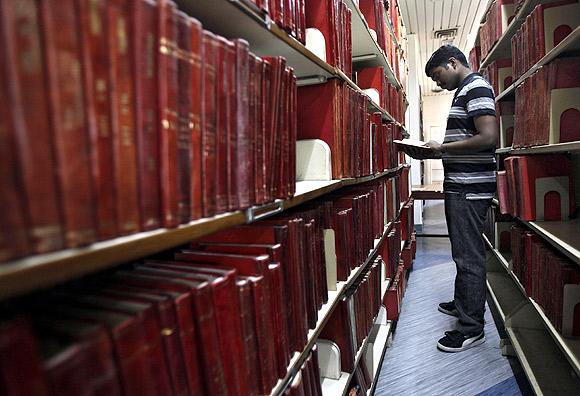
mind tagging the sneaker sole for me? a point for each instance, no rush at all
(446, 312)
(463, 348)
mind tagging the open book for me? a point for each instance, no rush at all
(416, 145)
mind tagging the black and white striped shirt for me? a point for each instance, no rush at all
(474, 173)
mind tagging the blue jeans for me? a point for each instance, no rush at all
(465, 220)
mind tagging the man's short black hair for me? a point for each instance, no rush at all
(442, 55)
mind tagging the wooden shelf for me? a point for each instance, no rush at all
(569, 45)
(569, 347)
(428, 191)
(323, 317)
(568, 147)
(563, 235)
(41, 271)
(502, 48)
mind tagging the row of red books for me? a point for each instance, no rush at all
(497, 19)
(475, 57)
(145, 152)
(333, 19)
(337, 114)
(546, 105)
(499, 74)
(543, 29)
(222, 315)
(393, 298)
(389, 97)
(530, 190)
(547, 278)
(390, 250)
(287, 14)
(407, 219)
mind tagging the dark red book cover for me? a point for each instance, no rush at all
(13, 234)
(232, 156)
(21, 369)
(27, 101)
(68, 121)
(260, 131)
(321, 15)
(169, 330)
(244, 168)
(198, 116)
(90, 364)
(224, 102)
(185, 119)
(226, 310)
(181, 295)
(145, 69)
(123, 117)
(281, 145)
(208, 139)
(168, 111)
(247, 318)
(128, 338)
(293, 136)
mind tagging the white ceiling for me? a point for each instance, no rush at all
(423, 17)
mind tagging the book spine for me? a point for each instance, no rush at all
(66, 104)
(168, 111)
(209, 135)
(244, 172)
(185, 120)
(198, 117)
(123, 118)
(232, 156)
(93, 33)
(223, 149)
(145, 69)
(34, 148)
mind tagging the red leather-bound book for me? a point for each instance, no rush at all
(248, 320)
(282, 148)
(293, 135)
(151, 324)
(145, 69)
(209, 155)
(122, 117)
(21, 372)
(68, 121)
(13, 233)
(168, 111)
(274, 277)
(226, 309)
(128, 339)
(25, 94)
(169, 330)
(276, 11)
(259, 130)
(182, 296)
(185, 119)
(88, 364)
(348, 38)
(289, 15)
(232, 157)
(198, 116)
(223, 114)
(244, 166)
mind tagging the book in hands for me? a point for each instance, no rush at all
(414, 148)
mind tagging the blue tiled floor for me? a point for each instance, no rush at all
(413, 365)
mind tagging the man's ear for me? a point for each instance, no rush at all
(453, 63)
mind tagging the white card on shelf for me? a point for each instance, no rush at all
(316, 43)
(313, 160)
(570, 301)
(328, 359)
(330, 258)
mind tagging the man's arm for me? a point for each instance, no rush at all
(485, 139)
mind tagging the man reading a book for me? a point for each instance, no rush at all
(469, 167)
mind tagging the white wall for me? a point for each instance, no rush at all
(412, 117)
(435, 111)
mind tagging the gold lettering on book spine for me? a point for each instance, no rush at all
(94, 18)
(122, 36)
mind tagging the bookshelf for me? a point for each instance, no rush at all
(563, 235)
(570, 45)
(323, 316)
(568, 147)
(569, 347)
(502, 48)
(41, 271)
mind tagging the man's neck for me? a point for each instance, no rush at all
(465, 71)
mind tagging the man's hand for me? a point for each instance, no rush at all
(419, 153)
(436, 147)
